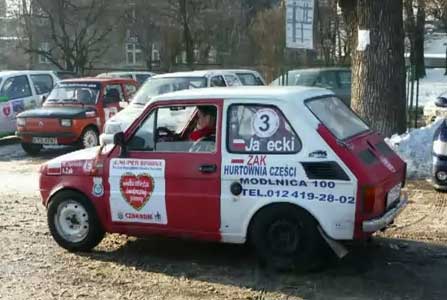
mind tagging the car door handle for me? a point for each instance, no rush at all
(208, 168)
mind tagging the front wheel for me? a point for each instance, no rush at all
(286, 238)
(73, 222)
(32, 149)
(90, 138)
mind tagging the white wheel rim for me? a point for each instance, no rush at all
(71, 221)
(90, 139)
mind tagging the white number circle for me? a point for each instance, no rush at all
(265, 123)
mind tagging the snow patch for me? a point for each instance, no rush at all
(415, 148)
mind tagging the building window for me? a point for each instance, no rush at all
(155, 55)
(44, 47)
(134, 55)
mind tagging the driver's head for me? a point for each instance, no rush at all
(206, 117)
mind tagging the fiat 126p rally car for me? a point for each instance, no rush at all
(283, 168)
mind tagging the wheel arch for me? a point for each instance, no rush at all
(266, 206)
(62, 189)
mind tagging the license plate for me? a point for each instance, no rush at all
(393, 195)
(45, 140)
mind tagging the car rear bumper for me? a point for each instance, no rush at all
(382, 222)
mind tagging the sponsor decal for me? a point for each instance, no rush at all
(90, 114)
(98, 188)
(283, 144)
(387, 164)
(137, 190)
(54, 168)
(318, 154)
(6, 109)
(265, 122)
(88, 166)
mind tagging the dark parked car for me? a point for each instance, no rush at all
(337, 80)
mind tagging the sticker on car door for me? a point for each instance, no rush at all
(137, 191)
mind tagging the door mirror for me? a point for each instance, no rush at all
(118, 139)
(43, 98)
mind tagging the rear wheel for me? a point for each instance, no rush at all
(32, 149)
(89, 138)
(73, 222)
(286, 238)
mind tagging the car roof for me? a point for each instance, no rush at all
(286, 93)
(198, 73)
(24, 72)
(321, 69)
(98, 80)
(126, 73)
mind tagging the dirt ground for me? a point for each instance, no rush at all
(408, 261)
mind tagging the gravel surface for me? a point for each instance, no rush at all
(406, 262)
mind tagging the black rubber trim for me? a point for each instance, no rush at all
(329, 170)
(46, 134)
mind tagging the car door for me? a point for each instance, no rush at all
(113, 95)
(42, 85)
(17, 96)
(160, 183)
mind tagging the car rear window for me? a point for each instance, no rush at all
(249, 79)
(337, 117)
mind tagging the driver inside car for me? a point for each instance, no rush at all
(206, 124)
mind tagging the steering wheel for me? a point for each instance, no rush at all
(204, 144)
(164, 133)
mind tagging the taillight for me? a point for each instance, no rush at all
(369, 198)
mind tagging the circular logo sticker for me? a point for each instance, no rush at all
(265, 123)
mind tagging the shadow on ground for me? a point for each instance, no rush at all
(382, 269)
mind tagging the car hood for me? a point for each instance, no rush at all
(75, 163)
(126, 116)
(56, 112)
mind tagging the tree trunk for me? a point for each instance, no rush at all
(419, 40)
(187, 37)
(378, 85)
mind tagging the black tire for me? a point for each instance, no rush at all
(89, 137)
(95, 232)
(32, 149)
(299, 248)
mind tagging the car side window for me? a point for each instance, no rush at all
(16, 87)
(143, 139)
(344, 79)
(327, 80)
(42, 83)
(113, 93)
(218, 81)
(232, 80)
(260, 129)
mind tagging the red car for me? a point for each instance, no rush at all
(74, 113)
(285, 169)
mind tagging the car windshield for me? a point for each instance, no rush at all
(75, 93)
(337, 117)
(249, 79)
(157, 86)
(141, 78)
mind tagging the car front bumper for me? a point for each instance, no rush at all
(382, 222)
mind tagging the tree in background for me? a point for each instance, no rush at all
(415, 28)
(438, 9)
(378, 70)
(77, 31)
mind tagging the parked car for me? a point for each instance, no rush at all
(437, 108)
(337, 80)
(284, 169)
(164, 83)
(20, 91)
(74, 113)
(139, 76)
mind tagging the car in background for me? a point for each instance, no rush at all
(437, 108)
(20, 91)
(139, 76)
(162, 84)
(74, 113)
(337, 80)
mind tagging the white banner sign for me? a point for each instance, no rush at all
(299, 24)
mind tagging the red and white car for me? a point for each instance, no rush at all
(287, 169)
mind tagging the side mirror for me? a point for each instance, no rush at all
(118, 139)
(43, 98)
(106, 139)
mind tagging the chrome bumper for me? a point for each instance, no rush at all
(377, 224)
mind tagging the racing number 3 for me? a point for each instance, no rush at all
(265, 120)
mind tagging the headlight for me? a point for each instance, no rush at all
(21, 122)
(65, 122)
(440, 147)
(441, 175)
(112, 128)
